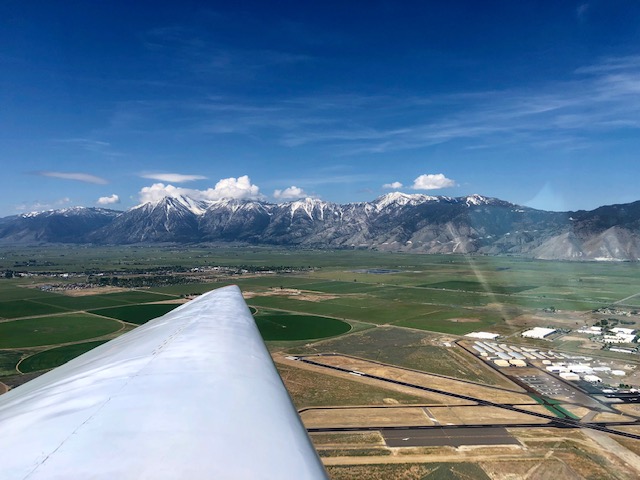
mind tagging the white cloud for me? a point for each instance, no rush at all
(236, 188)
(432, 182)
(393, 186)
(173, 177)
(239, 188)
(158, 191)
(80, 177)
(108, 200)
(290, 193)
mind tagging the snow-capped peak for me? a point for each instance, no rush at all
(402, 199)
(62, 211)
(308, 205)
(197, 207)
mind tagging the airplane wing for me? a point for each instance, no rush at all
(190, 395)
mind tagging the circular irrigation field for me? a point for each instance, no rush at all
(55, 357)
(35, 332)
(284, 326)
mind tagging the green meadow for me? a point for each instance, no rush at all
(279, 326)
(54, 357)
(55, 329)
(325, 293)
(137, 314)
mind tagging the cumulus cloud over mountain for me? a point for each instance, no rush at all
(239, 188)
(108, 200)
(289, 193)
(393, 185)
(432, 182)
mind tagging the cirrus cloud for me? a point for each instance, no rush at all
(77, 176)
(108, 200)
(290, 193)
(173, 177)
(239, 188)
(432, 182)
(393, 185)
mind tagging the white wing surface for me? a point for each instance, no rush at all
(190, 395)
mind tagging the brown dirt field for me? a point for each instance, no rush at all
(3, 388)
(312, 389)
(553, 319)
(630, 443)
(480, 415)
(552, 469)
(530, 470)
(303, 295)
(426, 397)
(575, 409)
(611, 417)
(577, 450)
(427, 380)
(377, 472)
(535, 408)
(628, 408)
(359, 439)
(170, 302)
(361, 417)
(515, 470)
(628, 428)
(91, 291)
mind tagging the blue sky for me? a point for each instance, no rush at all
(114, 103)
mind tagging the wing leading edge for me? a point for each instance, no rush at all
(193, 394)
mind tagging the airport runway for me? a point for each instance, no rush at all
(554, 421)
(448, 437)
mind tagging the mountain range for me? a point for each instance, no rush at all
(393, 222)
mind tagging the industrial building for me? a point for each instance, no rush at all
(538, 332)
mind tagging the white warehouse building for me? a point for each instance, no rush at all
(538, 332)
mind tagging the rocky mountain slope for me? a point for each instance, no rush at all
(393, 222)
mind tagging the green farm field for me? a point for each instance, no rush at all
(278, 326)
(54, 330)
(322, 294)
(137, 314)
(54, 357)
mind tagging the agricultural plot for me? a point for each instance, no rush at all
(82, 302)
(137, 314)
(16, 291)
(27, 308)
(470, 286)
(339, 287)
(286, 326)
(454, 321)
(53, 330)
(138, 296)
(8, 361)
(192, 288)
(55, 357)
